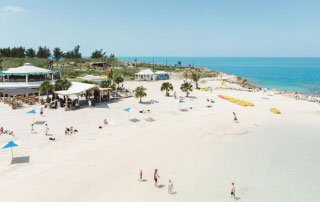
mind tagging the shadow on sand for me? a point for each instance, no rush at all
(19, 160)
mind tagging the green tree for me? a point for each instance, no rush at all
(106, 84)
(186, 87)
(195, 77)
(46, 87)
(118, 79)
(179, 63)
(62, 84)
(30, 53)
(140, 92)
(1, 68)
(98, 54)
(166, 86)
(57, 53)
(74, 54)
(43, 52)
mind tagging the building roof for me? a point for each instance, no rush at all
(27, 69)
(145, 72)
(77, 88)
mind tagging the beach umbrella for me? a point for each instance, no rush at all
(33, 112)
(10, 145)
(180, 102)
(128, 110)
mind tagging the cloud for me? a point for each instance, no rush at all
(15, 9)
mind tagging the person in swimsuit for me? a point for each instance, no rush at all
(32, 129)
(235, 119)
(140, 175)
(233, 191)
(170, 187)
(155, 177)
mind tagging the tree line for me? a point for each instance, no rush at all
(45, 52)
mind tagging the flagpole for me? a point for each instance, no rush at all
(11, 153)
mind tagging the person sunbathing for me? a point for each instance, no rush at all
(67, 131)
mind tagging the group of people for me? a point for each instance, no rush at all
(155, 178)
(70, 131)
(3, 131)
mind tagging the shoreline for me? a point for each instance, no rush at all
(196, 146)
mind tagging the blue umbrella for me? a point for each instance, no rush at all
(33, 112)
(128, 110)
(10, 145)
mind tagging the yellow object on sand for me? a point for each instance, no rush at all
(274, 110)
(223, 83)
(204, 89)
(237, 101)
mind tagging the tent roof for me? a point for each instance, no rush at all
(27, 68)
(145, 72)
(77, 88)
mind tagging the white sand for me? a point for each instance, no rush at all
(269, 157)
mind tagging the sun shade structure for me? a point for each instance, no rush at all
(33, 112)
(76, 88)
(10, 145)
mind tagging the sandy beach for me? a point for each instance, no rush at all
(269, 157)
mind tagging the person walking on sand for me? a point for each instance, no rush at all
(233, 191)
(46, 129)
(41, 111)
(32, 129)
(170, 187)
(235, 119)
(155, 177)
(140, 175)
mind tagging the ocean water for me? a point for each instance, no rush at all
(293, 74)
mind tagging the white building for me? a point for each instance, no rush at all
(27, 76)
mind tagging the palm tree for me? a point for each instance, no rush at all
(196, 77)
(111, 75)
(186, 75)
(106, 83)
(46, 87)
(186, 87)
(62, 84)
(166, 86)
(140, 92)
(118, 79)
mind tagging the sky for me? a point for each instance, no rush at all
(177, 28)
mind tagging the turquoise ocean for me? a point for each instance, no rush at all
(294, 74)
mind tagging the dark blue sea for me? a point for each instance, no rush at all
(293, 74)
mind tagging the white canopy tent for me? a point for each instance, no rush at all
(76, 88)
(146, 75)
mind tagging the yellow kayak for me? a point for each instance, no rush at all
(237, 101)
(274, 110)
